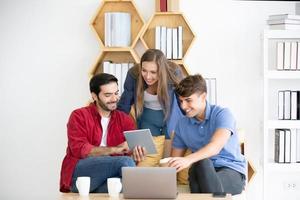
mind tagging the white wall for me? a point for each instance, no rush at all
(47, 49)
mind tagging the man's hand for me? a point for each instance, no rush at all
(180, 163)
(139, 153)
(121, 149)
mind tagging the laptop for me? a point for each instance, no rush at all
(149, 182)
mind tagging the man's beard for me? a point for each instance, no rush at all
(104, 105)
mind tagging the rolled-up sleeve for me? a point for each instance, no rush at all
(77, 136)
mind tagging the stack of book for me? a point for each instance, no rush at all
(288, 55)
(288, 105)
(284, 22)
(117, 29)
(169, 41)
(287, 146)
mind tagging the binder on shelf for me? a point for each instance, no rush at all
(280, 104)
(294, 55)
(287, 104)
(180, 42)
(157, 37)
(294, 105)
(293, 145)
(106, 66)
(119, 76)
(174, 44)
(298, 105)
(287, 146)
(280, 55)
(107, 29)
(287, 56)
(279, 146)
(298, 145)
(163, 44)
(124, 70)
(298, 56)
(117, 27)
(169, 43)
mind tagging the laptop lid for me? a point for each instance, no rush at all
(149, 182)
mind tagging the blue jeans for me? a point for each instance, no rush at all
(99, 169)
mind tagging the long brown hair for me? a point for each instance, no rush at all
(166, 77)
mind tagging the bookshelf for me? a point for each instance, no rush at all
(277, 176)
(116, 54)
(128, 6)
(171, 20)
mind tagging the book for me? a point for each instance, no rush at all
(287, 56)
(284, 16)
(294, 47)
(298, 145)
(169, 43)
(163, 39)
(117, 29)
(173, 5)
(106, 65)
(280, 104)
(293, 145)
(279, 146)
(287, 146)
(174, 43)
(125, 67)
(119, 76)
(180, 40)
(107, 29)
(285, 27)
(287, 104)
(294, 105)
(163, 6)
(283, 21)
(298, 56)
(208, 89)
(280, 55)
(157, 37)
(298, 105)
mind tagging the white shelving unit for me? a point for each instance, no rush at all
(278, 176)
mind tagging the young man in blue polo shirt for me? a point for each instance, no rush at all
(216, 163)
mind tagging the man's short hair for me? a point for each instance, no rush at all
(190, 85)
(101, 79)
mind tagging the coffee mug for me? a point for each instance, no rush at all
(83, 185)
(114, 186)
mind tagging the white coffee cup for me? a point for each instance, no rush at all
(83, 185)
(114, 186)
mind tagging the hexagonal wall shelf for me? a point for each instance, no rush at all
(115, 55)
(168, 19)
(137, 21)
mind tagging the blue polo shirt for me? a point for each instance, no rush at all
(194, 134)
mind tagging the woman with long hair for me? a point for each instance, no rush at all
(149, 87)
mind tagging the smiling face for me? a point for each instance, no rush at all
(150, 72)
(194, 105)
(108, 97)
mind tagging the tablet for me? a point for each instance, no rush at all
(141, 137)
